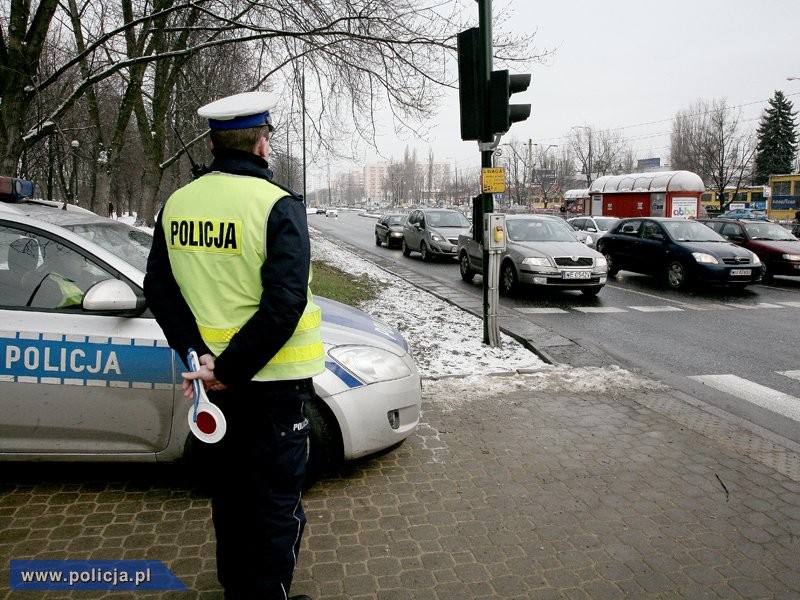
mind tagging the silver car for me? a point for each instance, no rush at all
(94, 379)
(433, 232)
(541, 252)
(592, 227)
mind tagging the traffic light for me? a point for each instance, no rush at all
(470, 84)
(501, 113)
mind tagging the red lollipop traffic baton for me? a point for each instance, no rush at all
(206, 420)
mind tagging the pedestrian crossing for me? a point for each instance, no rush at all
(755, 393)
(682, 307)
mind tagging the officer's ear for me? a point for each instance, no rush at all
(262, 147)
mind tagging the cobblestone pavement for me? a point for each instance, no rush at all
(528, 495)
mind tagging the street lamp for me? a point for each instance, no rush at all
(73, 192)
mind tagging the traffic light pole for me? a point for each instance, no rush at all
(490, 279)
(486, 115)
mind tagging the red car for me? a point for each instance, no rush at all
(777, 248)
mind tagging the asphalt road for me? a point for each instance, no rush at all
(688, 339)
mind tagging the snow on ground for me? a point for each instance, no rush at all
(447, 343)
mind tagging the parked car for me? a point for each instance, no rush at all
(681, 251)
(389, 229)
(594, 227)
(97, 380)
(540, 252)
(777, 248)
(745, 213)
(581, 236)
(433, 232)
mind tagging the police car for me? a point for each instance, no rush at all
(94, 379)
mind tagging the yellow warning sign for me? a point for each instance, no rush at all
(493, 180)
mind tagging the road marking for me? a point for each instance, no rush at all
(792, 304)
(541, 310)
(707, 306)
(599, 309)
(756, 305)
(791, 374)
(656, 308)
(760, 395)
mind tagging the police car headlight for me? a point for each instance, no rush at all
(370, 364)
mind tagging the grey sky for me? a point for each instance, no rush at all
(631, 66)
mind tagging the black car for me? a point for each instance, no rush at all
(389, 230)
(681, 251)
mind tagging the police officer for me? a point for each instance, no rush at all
(228, 276)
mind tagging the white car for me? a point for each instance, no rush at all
(97, 380)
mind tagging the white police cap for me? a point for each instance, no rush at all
(240, 111)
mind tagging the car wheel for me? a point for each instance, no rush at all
(378, 240)
(426, 254)
(508, 278)
(467, 274)
(324, 440)
(766, 274)
(612, 270)
(406, 249)
(593, 291)
(676, 275)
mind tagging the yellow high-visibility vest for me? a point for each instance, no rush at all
(218, 224)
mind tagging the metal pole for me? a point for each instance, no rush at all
(487, 200)
(303, 108)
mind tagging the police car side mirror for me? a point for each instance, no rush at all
(113, 295)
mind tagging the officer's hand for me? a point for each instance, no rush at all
(205, 374)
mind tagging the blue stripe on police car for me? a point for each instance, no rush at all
(82, 360)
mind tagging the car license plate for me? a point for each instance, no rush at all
(739, 272)
(576, 274)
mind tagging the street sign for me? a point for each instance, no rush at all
(493, 180)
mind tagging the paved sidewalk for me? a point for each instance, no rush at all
(531, 493)
(527, 495)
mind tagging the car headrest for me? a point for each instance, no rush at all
(23, 255)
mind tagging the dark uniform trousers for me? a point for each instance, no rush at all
(256, 475)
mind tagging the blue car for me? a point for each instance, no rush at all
(746, 213)
(680, 251)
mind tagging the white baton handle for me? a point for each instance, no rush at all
(206, 420)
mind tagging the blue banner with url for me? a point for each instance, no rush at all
(93, 575)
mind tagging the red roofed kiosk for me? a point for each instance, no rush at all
(658, 194)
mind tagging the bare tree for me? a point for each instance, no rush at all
(516, 158)
(599, 152)
(708, 139)
(161, 60)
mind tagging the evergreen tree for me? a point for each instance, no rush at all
(777, 140)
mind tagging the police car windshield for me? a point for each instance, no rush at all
(130, 244)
